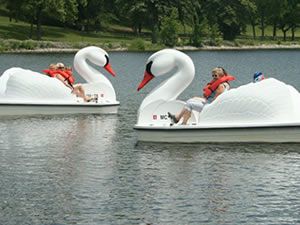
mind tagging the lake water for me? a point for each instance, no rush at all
(90, 169)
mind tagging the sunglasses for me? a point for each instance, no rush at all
(214, 76)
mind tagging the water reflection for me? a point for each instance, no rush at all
(88, 169)
(47, 163)
(214, 182)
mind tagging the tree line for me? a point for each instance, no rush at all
(162, 18)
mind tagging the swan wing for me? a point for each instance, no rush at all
(4, 77)
(24, 84)
(268, 101)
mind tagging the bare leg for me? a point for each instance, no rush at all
(186, 116)
(79, 91)
(179, 116)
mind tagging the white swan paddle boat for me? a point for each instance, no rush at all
(25, 92)
(267, 111)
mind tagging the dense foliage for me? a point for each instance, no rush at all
(161, 19)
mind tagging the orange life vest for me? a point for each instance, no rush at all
(67, 74)
(214, 84)
(50, 73)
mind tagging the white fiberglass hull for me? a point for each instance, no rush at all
(280, 133)
(13, 109)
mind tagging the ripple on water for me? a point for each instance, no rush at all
(91, 170)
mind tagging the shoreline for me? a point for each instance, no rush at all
(183, 48)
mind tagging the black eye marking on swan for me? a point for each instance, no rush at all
(148, 67)
(107, 60)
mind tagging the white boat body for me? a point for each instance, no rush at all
(280, 133)
(34, 108)
(25, 92)
(267, 111)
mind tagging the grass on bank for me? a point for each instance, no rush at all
(16, 36)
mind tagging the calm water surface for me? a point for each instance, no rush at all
(90, 169)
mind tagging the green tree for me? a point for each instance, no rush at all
(251, 14)
(146, 13)
(228, 14)
(93, 13)
(262, 11)
(153, 8)
(70, 12)
(290, 18)
(37, 10)
(198, 22)
(275, 12)
(14, 9)
(169, 29)
(200, 28)
(185, 11)
(135, 13)
(296, 16)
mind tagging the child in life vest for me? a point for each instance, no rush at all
(64, 74)
(218, 85)
(69, 80)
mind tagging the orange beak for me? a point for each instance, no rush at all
(147, 78)
(109, 69)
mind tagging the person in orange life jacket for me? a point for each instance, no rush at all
(64, 74)
(69, 80)
(211, 91)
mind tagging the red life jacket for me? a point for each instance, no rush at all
(214, 84)
(50, 73)
(67, 74)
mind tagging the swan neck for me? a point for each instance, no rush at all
(171, 88)
(88, 72)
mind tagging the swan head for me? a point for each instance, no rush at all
(159, 64)
(108, 67)
(96, 56)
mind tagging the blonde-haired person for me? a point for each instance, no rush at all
(63, 76)
(52, 66)
(218, 85)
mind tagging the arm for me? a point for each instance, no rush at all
(219, 90)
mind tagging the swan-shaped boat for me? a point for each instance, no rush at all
(267, 111)
(24, 91)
